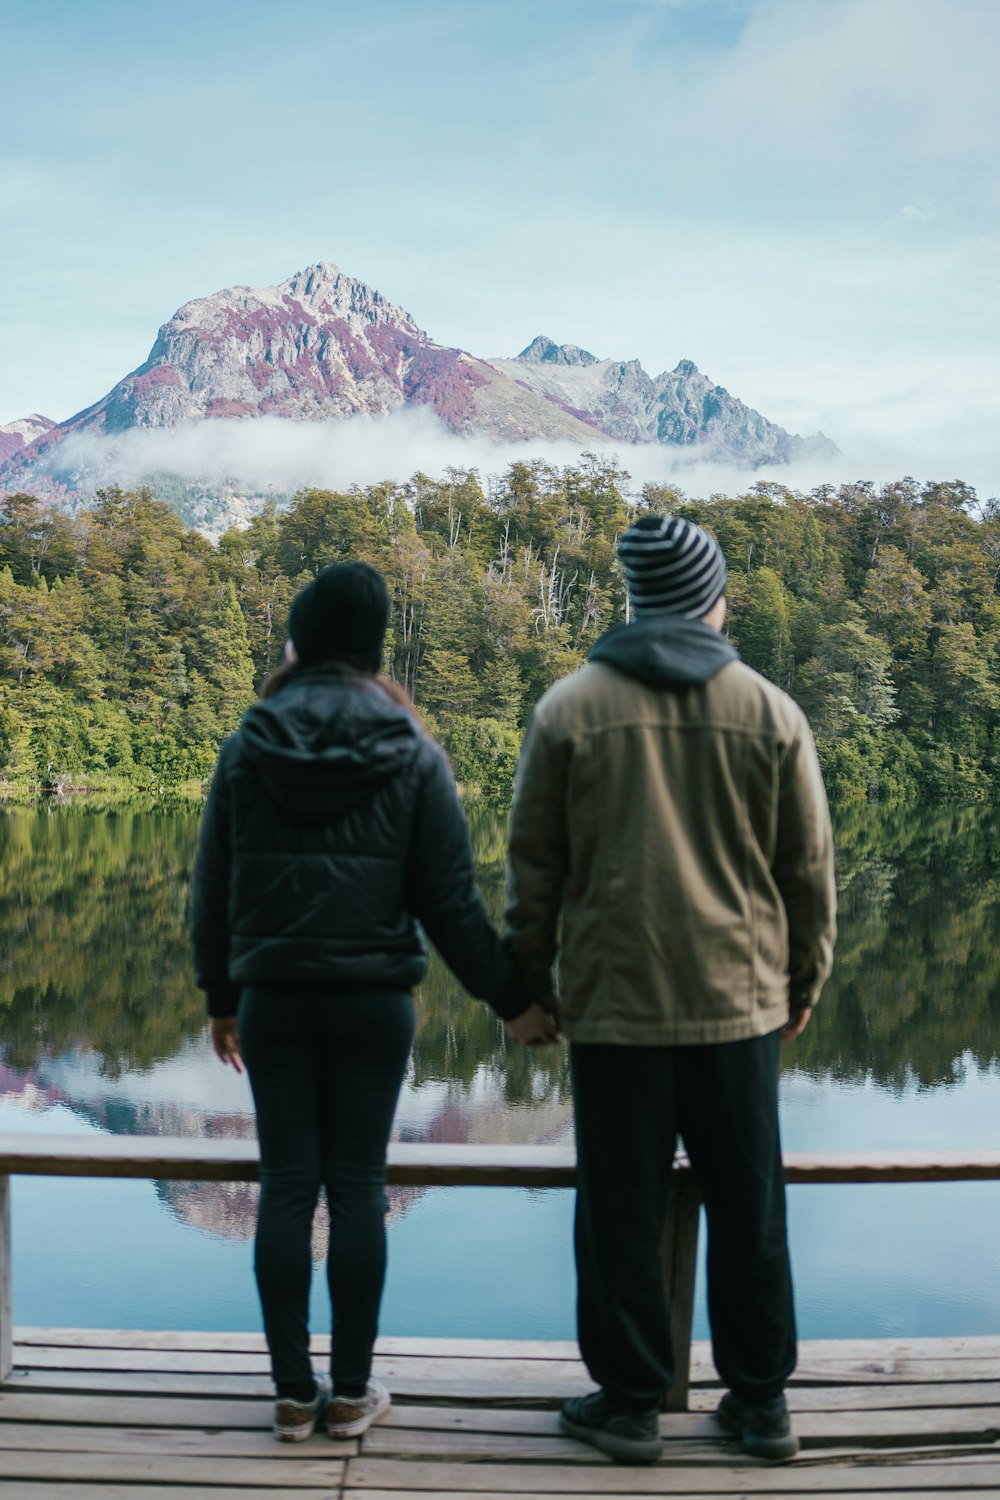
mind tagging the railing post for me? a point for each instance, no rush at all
(679, 1258)
(6, 1299)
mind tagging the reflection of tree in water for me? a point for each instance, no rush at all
(92, 914)
(95, 954)
(915, 988)
(460, 1040)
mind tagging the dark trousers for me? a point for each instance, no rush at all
(326, 1071)
(631, 1103)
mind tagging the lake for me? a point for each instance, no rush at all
(103, 1031)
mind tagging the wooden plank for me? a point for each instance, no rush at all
(428, 1163)
(808, 1398)
(481, 1447)
(579, 1493)
(6, 1295)
(54, 1408)
(254, 1343)
(504, 1376)
(380, 1474)
(415, 1372)
(972, 1346)
(886, 1423)
(170, 1442)
(891, 1166)
(401, 1493)
(855, 1430)
(877, 1372)
(188, 1361)
(440, 1381)
(193, 1158)
(250, 1473)
(104, 1491)
(140, 1383)
(204, 1158)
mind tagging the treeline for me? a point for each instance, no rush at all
(130, 645)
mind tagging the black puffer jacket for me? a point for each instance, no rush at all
(332, 827)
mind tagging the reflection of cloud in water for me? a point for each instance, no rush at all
(192, 1095)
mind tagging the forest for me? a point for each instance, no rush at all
(130, 645)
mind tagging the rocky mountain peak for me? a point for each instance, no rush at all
(325, 289)
(18, 434)
(546, 351)
(323, 346)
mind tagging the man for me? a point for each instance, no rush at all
(670, 825)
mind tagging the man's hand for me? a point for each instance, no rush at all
(796, 1024)
(537, 1026)
(226, 1040)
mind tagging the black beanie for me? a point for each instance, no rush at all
(341, 616)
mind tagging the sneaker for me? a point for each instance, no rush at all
(629, 1437)
(346, 1416)
(763, 1428)
(294, 1421)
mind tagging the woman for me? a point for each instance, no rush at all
(332, 827)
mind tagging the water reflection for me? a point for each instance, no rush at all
(100, 1018)
(96, 973)
(914, 996)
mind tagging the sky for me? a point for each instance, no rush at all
(802, 196)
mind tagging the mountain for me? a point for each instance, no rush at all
(324, 346)
(16, 436)
(680, 407)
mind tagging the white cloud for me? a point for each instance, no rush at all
(273, 454)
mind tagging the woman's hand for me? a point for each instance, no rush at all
(537, 1026)
(226, 1040)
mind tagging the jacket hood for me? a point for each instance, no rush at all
(324, 743)
(665, 650)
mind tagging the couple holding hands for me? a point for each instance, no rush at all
(670, 845)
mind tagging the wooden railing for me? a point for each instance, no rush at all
(421, 1165)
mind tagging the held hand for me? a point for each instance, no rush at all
(796, 1024)
(537, 1026)
(226, 1040)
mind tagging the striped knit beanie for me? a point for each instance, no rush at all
(672, 567)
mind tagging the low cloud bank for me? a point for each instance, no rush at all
(272, 454)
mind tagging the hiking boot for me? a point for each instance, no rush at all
(629, 1437)
(294, 1421)
(347, 1416)
(763, 1427)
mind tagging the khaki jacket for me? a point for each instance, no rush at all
(671, 841)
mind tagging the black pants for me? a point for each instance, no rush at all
(326, 1071)
(631, 1103)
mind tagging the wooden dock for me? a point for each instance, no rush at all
(97, 1415)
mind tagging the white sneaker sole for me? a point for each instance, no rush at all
(339, 1431)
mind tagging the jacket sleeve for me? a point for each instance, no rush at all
(208, 917)
(442, 894)
(539, 856)
(804, 869)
